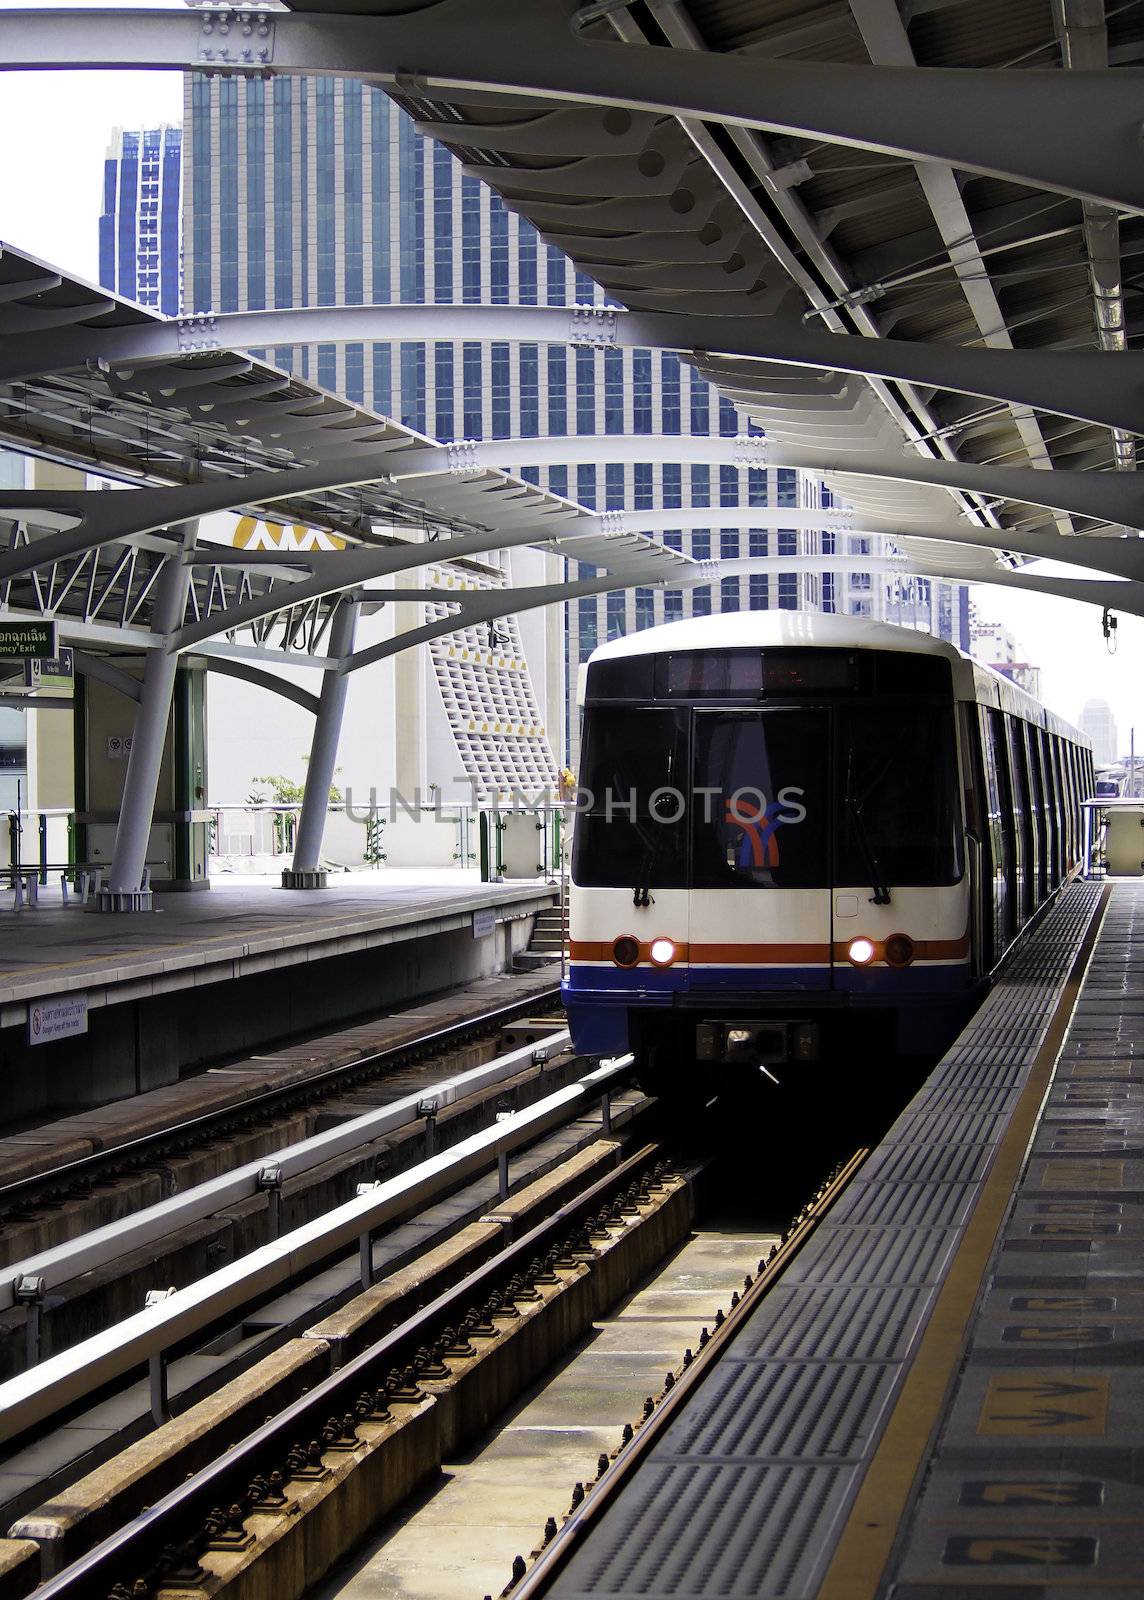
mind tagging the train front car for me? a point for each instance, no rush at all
(769, 866)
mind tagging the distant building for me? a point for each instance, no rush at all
(319, 191)
(139, 227)
(993, 644)
(1097, 721)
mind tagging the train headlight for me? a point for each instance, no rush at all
(861, 951)
(899, 950)
(662, 952)
(626, 951)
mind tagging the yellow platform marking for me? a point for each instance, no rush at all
(867, 1539)
(1038, 1404)
(1094, 1174)
(1062, 1302)
(1011, 1550)
(1034, 1492)
(1065, 1333)
(1087, 1139)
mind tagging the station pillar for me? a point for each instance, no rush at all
(127, 889)
(306, 871)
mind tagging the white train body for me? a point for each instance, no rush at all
(866, 820)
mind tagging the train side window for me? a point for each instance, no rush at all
(1078, 792)
(1070, 801)
(979, 821)
(1074, 806)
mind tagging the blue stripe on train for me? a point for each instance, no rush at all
(598, 999)
(649, 986)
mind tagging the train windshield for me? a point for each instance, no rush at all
(761, 808)
(633, 800)
(800, 797)
(896, 819)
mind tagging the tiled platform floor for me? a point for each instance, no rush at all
(243, 924)
(944, 1396)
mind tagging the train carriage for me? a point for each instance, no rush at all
(799, 837)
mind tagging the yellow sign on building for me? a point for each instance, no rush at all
(254, 533)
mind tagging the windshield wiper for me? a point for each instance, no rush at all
(641, 890)
(881, 895)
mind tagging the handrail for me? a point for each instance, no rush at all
(103, 1245)
(271, 1098)
(93, 1574)
(36, 1396)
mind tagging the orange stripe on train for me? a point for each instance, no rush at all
(768, 955)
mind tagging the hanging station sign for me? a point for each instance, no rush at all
(51, 672)
(19, 640)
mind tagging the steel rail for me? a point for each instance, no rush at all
(55, 1385)
(88, 1168)
(24, 1281)
(604, 1491)
(132, 1549)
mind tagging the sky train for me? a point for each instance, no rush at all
(799, 837)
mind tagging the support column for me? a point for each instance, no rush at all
(305, 872)
(137, 809)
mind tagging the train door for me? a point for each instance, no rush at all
(1052, 816)
(1038, 813)
(761, 818)
(979, 831)
(1025, 857)
(1000, 830)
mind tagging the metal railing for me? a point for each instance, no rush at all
(36, 1396)
(278, 1099)
(26, 1282)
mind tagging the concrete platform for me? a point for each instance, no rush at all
(942, 1399)
(206, 976)
(458, 1542)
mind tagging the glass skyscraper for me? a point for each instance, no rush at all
(319, 191)
(139, 226)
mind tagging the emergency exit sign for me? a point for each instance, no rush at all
(19, 640)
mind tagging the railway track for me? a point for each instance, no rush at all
(197, 1338)
(411, 1367)
(561, 1542)
(269, 1493)
(64, 1184)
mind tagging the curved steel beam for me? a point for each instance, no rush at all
(339, 569)
(487, 604)
(1114, 497)
(231, 668)
(1124, 557)
(107, 518)
(103, 519)
(351, 568)
(1073, 133)
(1126, 597)
(106, 672)
(1090, 385)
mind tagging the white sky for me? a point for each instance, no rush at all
(54, 131)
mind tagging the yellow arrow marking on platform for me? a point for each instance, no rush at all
(1039, 1403)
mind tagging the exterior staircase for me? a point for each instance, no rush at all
(549, 935)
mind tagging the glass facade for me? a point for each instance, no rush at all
(139, 221)
(353, 205)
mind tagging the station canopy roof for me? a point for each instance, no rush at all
(944, 227)
(207, 418)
